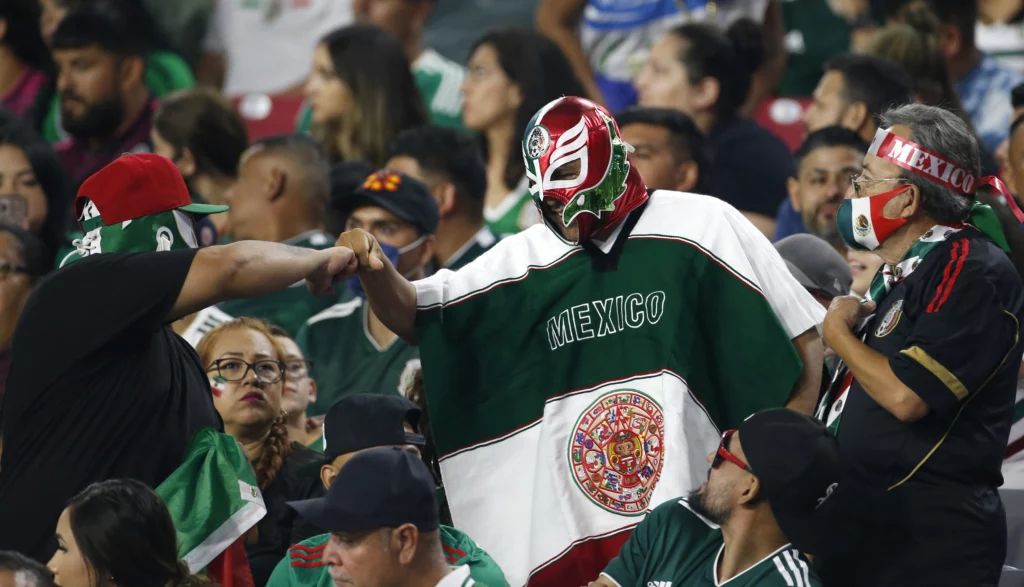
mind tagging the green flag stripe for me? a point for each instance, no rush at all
(1018, 411)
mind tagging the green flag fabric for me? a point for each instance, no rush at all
(591, 390)
(213, 498)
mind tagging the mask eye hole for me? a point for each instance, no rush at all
(567, 172)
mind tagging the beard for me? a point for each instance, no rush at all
(99, 121)
(704, 504)
(823, 229)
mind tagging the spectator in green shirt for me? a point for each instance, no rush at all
(437, 77)
(165, 70)
(511, 74)
(361, 94)
(354, 426)
(351, 349)
(281, 195)
(449, 163)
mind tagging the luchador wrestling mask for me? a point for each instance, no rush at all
(136, 203)
(576, 131)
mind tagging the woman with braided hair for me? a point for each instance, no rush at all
(246, 370)
(119, 533)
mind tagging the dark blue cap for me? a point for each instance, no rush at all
(381, 487)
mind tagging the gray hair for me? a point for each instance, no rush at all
(27, 572)
(945, 133)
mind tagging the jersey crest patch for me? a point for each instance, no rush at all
(892, 317)
(616, 451)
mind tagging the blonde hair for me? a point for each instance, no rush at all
(276, 447)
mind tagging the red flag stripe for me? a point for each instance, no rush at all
(964, 250)
(1014, 447)
(307, 556)
(945, 275)
(309, 548)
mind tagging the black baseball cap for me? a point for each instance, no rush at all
(367, 420)
(403, 196)
(381, 487)
(796, 460)
(815, 264)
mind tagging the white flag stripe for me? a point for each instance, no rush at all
(862, 207)
(560, 512)
(783, 571)
(793, 567)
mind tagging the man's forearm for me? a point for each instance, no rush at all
(804, 397)
(260, 268)
(872, 371)
(393, 299)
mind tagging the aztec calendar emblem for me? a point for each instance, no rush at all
(862, 227)
(538, 142)
(616, 451)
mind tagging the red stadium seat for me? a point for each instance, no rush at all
(268, 115)
(783, 116)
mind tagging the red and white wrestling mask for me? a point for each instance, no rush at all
(575, 132)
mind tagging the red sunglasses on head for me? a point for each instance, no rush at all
(723, 454)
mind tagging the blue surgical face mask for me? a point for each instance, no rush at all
(393, 254)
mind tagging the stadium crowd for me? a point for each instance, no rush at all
(404, 293)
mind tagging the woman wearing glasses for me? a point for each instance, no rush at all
(247, 379)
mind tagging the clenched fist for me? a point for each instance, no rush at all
(336, 264)
(367, 252)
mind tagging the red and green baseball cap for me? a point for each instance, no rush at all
(136, 203)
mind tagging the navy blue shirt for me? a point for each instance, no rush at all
(749, 166)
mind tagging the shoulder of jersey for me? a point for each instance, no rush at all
(794, 569)
(342, 310)
(309, 553)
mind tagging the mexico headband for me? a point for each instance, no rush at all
(936, 168)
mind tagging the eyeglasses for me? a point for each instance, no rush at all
(856, 183)
(723, 454)
(299, 369)
(267, 370)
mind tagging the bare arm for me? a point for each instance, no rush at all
(557, 20)
(804, 398)
(602, 581)
(391, 296)
(254, 268)
(767, 77)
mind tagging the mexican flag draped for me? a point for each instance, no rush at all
(569, 397)
(213, 499)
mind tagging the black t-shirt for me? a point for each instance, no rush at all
(282, 526)
(100, 388)
(951, 332)
(749, 166)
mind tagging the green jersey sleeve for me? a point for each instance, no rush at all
(281, 577)
(460, 549)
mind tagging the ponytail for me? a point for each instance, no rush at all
(276, 449)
